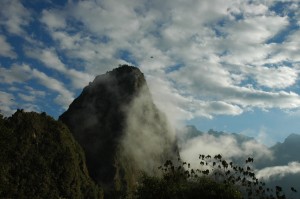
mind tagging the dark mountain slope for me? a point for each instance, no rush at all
(288, 150)
(119, 128)
(286, 153)
(39, 158)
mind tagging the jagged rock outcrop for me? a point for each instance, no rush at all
(39, 158)
(120, 129)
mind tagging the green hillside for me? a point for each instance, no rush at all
(39, 158)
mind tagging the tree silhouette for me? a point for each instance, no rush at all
(215, 178)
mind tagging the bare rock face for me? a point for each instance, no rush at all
(120, 129)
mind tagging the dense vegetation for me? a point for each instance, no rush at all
(39, 158)
(215, 178)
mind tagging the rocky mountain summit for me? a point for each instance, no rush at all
(120, 129)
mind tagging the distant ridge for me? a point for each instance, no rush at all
(192, 132)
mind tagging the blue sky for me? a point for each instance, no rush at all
(229, 65)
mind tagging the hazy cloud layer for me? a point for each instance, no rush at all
(226, 145)
(148, 140)
(278, 172)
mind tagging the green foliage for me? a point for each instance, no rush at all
(179, 182)
(215, 178)
(39, 158)
(204, 187)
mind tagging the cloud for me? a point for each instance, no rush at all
(169, 100)
(82, 48)
(51, 60)
(248, 97)
(29, 107)
(16, 97)
(290, 47)
(216, 45)
(9, 103)
(64, 98)
(53, 19)
(226, 145)
(148, 140)
(179, 107)
(23, 73)
(112, 18)
(254, 30)
(28, 98)
(217, 108)
(14, 16)
(6, 103)
(6, 50)
(281, 77)
(209, 57)
(278, 171)
(16, 73)
(216, 82)
(35, 92)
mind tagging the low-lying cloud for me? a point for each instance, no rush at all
(226, 145)
(278, 172)
(148, 140)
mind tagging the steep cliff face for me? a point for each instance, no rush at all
(39, 158)
(120, 129)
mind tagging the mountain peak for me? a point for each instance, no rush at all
(123, 82)
(114, 119)
(125, 69)
(127, 72)
(292, 138)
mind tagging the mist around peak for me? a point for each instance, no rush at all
(120, 128)
(275, 165)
